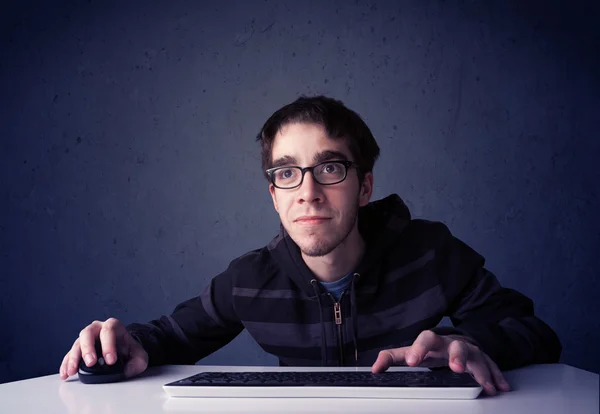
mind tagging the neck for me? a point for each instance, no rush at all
(340, 261)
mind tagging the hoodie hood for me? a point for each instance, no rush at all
(380, 223)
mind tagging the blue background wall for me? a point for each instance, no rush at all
(130, 175)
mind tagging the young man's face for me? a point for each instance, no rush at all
(317, 217)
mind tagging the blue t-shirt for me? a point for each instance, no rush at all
(336, 288)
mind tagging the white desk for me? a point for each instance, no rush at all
(536, 389)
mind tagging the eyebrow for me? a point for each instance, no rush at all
(329, 155)
(319, 157)
(280, 162)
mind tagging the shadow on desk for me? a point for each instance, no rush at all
(319, 406)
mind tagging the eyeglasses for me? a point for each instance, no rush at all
(325, 173)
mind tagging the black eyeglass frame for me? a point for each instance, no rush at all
(271, 172)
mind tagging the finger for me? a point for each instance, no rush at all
(74, 356)
(478, 367)
(123, 339)
(426, 341)
(458, 354)
(87, 339)
(497, 376)
(108, 339)
(126, 346)
(63, 367)
(388, 358)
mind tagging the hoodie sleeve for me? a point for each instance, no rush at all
(196, 328)
(500, 320)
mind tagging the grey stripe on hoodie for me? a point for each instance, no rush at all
(309, 335)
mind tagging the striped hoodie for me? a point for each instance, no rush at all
(412, 274)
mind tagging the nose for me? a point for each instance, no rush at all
(310, 191)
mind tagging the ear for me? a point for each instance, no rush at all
(273, 196)
(366, 189)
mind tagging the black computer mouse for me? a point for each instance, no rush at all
(101, 372)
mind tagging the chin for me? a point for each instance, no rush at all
(316, 252)
(317, 248)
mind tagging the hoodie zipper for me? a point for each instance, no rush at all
(337, 313)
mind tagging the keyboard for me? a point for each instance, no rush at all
(327, 384)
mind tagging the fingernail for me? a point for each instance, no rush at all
(457, 361)
(109, 358)
(88, 359)
(491, 387)
(411, 358)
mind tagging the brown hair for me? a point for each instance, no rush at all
(339, 122)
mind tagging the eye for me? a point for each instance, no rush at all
(285, 173)
(331, 168)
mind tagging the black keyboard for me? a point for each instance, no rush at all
(438, 379)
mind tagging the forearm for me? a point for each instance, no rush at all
(501, 321)
(196, 328)
(514, 342)
(163, 345)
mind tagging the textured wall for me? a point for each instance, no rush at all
(130, 175)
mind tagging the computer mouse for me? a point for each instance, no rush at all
(101, 372)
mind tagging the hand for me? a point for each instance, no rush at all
(113, 336)
(455, 351)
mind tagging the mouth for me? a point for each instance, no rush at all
(312, 220)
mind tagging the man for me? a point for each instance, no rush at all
(346, 282)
